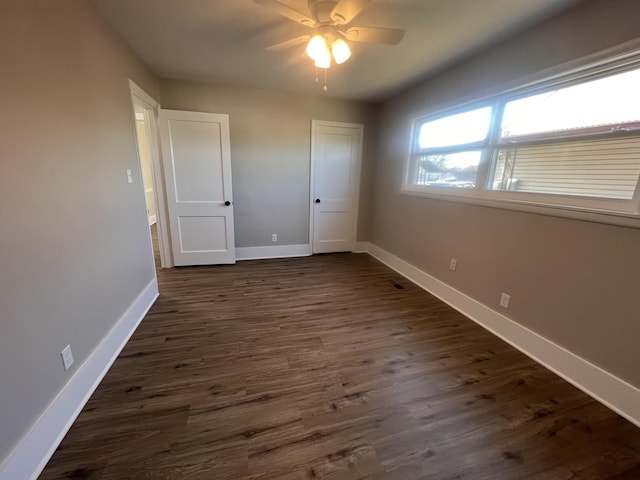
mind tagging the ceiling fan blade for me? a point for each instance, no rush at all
(388, 36)
(286, 11)
(289, 43)
(347, 10)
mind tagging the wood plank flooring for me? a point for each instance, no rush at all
(331, 367)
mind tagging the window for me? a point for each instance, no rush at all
(574, 143)
(451, 148)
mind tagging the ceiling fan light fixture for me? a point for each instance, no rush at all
(317, 47)
(341, 51)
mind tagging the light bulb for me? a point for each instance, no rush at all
(341, 51)
(323, 60)
(316, 46)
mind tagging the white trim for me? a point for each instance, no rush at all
(609, 217)
(277, 251)
(616, 394)
(142, 95)
(312, 183)
(30, 457)
(152, 219)
(361, 247)
(144, 100)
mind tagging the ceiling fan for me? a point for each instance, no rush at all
(330, 19)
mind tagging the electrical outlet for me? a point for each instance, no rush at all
(453, 264)
(274, 237)
(504, 300)
(129, 176)
(67, 357)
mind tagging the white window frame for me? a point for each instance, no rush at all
(604, 210)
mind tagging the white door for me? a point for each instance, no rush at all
(336, 151)
(197, 166)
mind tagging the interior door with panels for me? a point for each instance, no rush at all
(336, 151)
(197, 164)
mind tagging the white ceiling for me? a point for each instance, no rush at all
(223, 41)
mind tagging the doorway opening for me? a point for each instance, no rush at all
(144, 155)
(145, 109)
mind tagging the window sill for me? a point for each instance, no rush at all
(488, 199)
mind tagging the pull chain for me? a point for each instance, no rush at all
(324, 86)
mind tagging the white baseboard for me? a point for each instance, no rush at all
(276, 251)
(618, 395)
(285, 251)
(361, 247)
(30, 457)
(152, 220)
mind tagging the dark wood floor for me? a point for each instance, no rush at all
(331, 367)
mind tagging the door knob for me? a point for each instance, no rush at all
(227, 203)
(317, 200)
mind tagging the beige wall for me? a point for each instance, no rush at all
(270, 154)
(574, 282)
(74, 250)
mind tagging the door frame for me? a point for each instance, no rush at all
(325, 123)
(151, 107)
